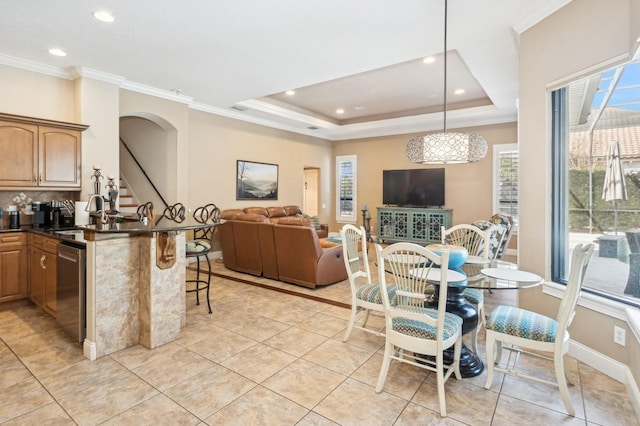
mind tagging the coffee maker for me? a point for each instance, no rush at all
(41, 214)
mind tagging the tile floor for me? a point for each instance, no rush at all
(267, 358)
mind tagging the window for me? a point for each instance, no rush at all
(505, 178)
(346, 170)
(589, 118)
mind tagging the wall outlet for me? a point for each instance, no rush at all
(619, 335)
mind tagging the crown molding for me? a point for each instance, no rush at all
(274, 116)
(153, 91)
(78, 71)
(33, 66)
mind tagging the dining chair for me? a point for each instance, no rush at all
(476, 241)
(367, 295)
(523, 329)
(415, 334)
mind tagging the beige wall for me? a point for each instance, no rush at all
(173, 118)
(468, 187)
(581, 38)
(216, 143)
(36, 95)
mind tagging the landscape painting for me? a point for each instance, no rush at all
(256, 181)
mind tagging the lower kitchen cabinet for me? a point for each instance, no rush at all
(42, 272)
(13, 266)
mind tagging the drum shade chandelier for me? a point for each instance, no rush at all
(446, 147)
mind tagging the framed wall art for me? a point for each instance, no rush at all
(256, 181)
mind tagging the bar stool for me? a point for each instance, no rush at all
(200, 247)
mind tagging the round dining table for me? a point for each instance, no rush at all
(481, 274)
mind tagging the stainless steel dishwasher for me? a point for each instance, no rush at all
(71, 288)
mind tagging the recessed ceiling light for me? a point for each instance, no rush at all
(459, 91)
(58, 52)
(429, 59)
(339, 111)
(290, 92)
(103, 16)
(358, 108)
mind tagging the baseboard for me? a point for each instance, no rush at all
(609, 366)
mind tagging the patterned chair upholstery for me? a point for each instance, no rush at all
(502, 227)
(365, 295)
(528, 330)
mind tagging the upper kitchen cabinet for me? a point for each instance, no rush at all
(39, 153)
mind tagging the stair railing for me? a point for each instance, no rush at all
(144, 173)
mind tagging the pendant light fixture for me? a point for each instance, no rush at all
(446, 147)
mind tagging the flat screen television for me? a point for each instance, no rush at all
(413, 187)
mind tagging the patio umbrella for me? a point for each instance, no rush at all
(614, 188)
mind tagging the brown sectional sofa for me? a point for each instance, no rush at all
(282, 247)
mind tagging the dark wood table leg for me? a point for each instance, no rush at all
(470, 363)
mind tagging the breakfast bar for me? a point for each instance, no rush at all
(135, 285)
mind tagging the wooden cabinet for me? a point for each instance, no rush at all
(42, 272)
(416, 225)
(39, 153)
(13, 266)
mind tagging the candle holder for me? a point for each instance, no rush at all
(366, 222)
(112, 190)
(97, 175)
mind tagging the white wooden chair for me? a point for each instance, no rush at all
(412, 328)
(367, 295)
(476, 241)
(525, 329)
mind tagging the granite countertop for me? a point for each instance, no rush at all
(141, 228)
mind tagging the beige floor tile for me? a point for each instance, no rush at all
(465, 402)
(107, 399)
(514, 412)
(604, 407)
(257, 327)
(26, 325)
(304, 382)
(222, 346)
(354, 402)
(326, 325)
(403, 380)
(417, 415)
(158, 410)
(13, 371)
(299, 369)
(137, 355)
(53, 358)
(50, 415)
(363, 339)
(340, 357)
(174, 367)
(22, 397)
(259, 362)
(259, 406)
(79, 376)
(296, 341)
(542, 394)
(314, 419)
(210, 391)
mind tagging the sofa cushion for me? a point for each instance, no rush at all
(230, 214)
(256, 210)
(296, 221)
(251, 217)
(292, 210)
(276, 212)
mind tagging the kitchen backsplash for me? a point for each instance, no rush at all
(6, 199)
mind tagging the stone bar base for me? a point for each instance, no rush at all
(129, 299)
